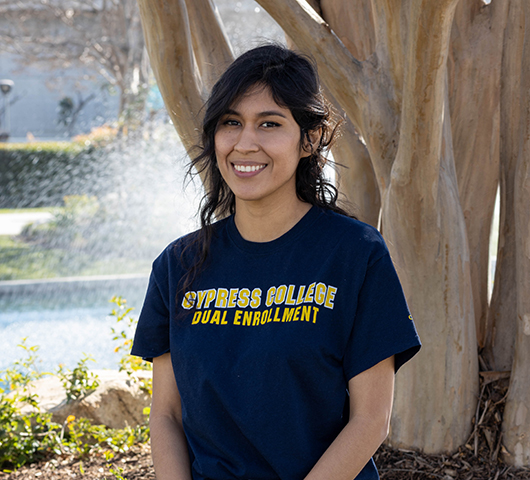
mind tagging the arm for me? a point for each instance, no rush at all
(371, 394)
(168, 443)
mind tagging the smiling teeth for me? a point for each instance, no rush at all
(248, 168)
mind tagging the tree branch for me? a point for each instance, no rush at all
(168, 40)
(210, 43)
(353, 22)
(419, 152)
(338, 69)
(390, 37)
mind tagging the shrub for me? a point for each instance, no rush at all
(128, 363)
(78, 382)
(23, 437)
(29, 437)
(98, 137)
(40, 174)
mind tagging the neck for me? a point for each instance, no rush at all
(264, 223)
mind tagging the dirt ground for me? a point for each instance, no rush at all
(392, 464)
(479, 459)
(134, 465)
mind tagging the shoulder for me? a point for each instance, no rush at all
(352, 235)
(351, 226)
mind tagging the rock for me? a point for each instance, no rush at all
(117, 402)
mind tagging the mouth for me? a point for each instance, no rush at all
(248, 168)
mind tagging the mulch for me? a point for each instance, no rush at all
(135, 464)
(481, 458)
(392, 464)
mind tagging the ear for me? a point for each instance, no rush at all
(311, 140)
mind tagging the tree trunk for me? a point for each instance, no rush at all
(502, 314)
(356, 177)
(422, 218)
(360, 90)
(135, 69)
(352, 22)
(517, 413)
(475, 75)
(424, 226)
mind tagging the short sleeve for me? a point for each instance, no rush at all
(151, 338)
(382, 325)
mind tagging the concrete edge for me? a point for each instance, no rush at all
(9, 287)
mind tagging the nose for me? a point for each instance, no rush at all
(247, 140)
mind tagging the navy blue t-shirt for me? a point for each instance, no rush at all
(263, 359)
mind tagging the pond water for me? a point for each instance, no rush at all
(62, 335)
(65, 323)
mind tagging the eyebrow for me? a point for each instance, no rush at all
(267, 113)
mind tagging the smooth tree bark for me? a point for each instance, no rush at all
(355, 175)
(516, 426)
(211, 48)
(474, 91)
(502, 323)
(353, 23)
(425, 230)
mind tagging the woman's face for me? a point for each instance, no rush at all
(257, 144)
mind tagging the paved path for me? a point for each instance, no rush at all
(13, 223)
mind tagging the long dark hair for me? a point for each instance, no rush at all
(292, 80)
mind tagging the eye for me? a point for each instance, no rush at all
(231, 122)
(270, 124)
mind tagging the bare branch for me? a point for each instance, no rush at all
(210, 43)
(391, 38)
(338, 69)
(168, 39)
(353, 22)
(422, 116)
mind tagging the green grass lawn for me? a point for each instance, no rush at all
(20, 261)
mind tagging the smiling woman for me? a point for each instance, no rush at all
(275, 332)
(257, 145)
